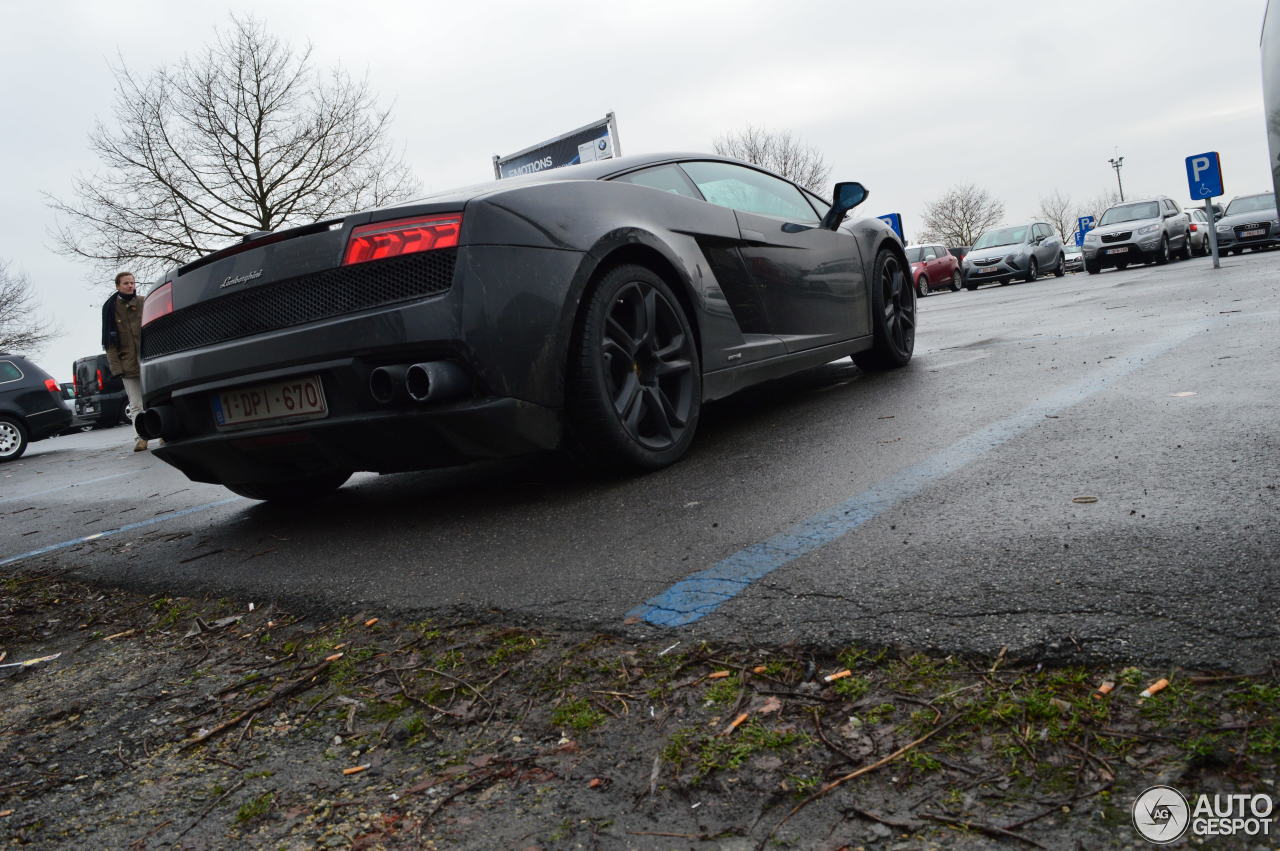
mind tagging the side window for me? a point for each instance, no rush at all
(668, 178)
(931, 253)
(818, 204)
(9, 371)
(750, 191)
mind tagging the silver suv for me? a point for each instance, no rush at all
(1138, 232)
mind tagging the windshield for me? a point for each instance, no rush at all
(1131, 213)
(1252, 204)
(1004, 236)
(914, 254)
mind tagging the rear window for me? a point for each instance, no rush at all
(9, 371)
(914, 254)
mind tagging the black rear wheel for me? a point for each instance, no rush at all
(635, 378)
(13, 439)
(893, 311)
(1033, 271)
(955, 282)
(1061, 269)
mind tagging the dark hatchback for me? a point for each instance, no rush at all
(31, 406)
(592, 308)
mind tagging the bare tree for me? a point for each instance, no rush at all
(960, 216)
(242, 137)
(781, 153)
(21, 330)
(1056, 209)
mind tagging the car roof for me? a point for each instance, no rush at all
(598, 170)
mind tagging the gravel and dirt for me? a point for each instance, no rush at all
(136, 721)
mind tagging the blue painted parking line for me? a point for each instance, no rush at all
(702, 593)
(164, 518)
(64, 487)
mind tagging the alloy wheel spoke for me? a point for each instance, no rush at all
(671, 348)
(625, 401)
(672, 367)
(648, 336)
(619, 336)
(664, 414)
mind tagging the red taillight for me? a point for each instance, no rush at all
(1193, 227)
(159, 303)
(101, 384)
(52, 386)
(404, 236)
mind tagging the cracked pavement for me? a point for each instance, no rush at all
(1175, 562)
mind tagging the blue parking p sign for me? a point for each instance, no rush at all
(893, 220)
(1204, 176)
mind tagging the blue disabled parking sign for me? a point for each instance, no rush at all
(894, 220)
(1204, 176)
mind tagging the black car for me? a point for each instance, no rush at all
(592, 308)
(100, 398)
(31, 406)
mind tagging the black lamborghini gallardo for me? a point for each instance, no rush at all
(593, 308)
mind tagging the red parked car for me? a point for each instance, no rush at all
(932, 268)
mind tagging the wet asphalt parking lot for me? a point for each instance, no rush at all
(932, 507)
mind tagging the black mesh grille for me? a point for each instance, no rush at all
(297, 301)
(1117, 237)
(1265, 227)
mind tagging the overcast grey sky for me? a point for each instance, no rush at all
(910, 98)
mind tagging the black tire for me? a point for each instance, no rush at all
(1060, 271)
(1162, 256)
(922, 287)
(955, 282)
(292, 491)
(1033, 271)
(1185, 252)
(13, 439)
(893, 316)
(1092, 268)
(1120, 267)
(634, 385)
(970, 287)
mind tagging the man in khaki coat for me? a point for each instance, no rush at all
(121, 337)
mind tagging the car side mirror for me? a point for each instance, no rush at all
(847, 196)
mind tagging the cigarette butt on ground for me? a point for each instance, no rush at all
(356, 769)
(759, 669)
(5, 813)
(340, 646)
(838, 675)
(736, 723)
(370, 621)
(1158, 685)
(717, 675)
(335, 657)
(120, 634)
(1104, 690)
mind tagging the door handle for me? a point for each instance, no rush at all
(755, 235)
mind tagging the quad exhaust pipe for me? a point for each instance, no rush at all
(430, 381)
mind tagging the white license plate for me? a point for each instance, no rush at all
(297, 398)
(1124, 249)
(1245, 234)
(987, 270)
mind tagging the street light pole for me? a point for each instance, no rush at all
(1116, 163)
